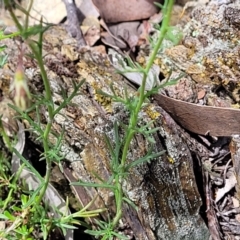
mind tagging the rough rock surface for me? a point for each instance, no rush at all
(164, 190)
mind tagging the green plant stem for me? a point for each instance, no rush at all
(12, 188)
(27, 14)
(5, 137)
(48, 97)
(167, 9)
(48, 94)
(118, 196)
(134, 116)
(37, 51)
(9, 8)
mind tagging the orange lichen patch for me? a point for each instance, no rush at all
(151, 112)
(195, 69)
(170, 159)
(165, 68)
(141, 60)
(236, 106)
(179, 52)
(106, 102)
(5, 83)
(157, 61)
(102, 99)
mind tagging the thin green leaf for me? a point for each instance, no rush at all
(99, 91)
(33, 197)
(152, 130)
(150, 140)
(112, 89)
(144, 159)
(64, 225)
(26, 162)
(118, 144)
(109, 145)
(7, 215)
(128, 201)
(96, 233)
(72, 95)
(98, 177)
(93, 185)
(120, 236)
(3, 60)
(2, 47)
(159, 5)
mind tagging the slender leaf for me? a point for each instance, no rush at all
(85, 184)
(144, 159)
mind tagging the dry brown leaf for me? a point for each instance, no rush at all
(126, 31)
(201, 94)
(92, 35)
(113, 11)
(229, 184)
(91, 30)
(236, 205)
(87, 8)
(101, 49)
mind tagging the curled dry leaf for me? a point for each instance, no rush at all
(229, 184)
(123, 35)
(124, 31)
(91, 30)
(235, 154)
(135, 77)
(201, 94)
(92, 35)
(191, 116)
(236, 205)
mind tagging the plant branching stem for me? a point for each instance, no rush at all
(37, 51)
(48, 96)
(130, 132)
(167, 9)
